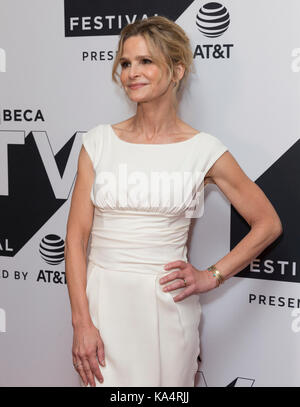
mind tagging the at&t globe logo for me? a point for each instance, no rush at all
(52, 249)
(212, 19)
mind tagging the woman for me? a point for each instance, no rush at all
(135, 308)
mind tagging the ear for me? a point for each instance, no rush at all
(179, 70)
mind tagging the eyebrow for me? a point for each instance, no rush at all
(137, 57)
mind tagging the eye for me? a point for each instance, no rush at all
(124, 64)
(146, 61)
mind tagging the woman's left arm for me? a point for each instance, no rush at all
(253, 205)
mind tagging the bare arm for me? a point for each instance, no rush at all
(88, 347)
(78, 231)
(253, 205)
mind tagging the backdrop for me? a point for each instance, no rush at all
(55, 83)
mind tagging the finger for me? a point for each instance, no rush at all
(100, 353)
(74, 361)
(172, 276)
(185, 293)
(95, 368)
(174, 286)
(82, 374)
(177, 263)
(88, 372)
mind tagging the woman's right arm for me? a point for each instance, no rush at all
(87, 343)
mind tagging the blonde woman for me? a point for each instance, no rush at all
(135, 308)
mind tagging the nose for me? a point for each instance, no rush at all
(134, 71)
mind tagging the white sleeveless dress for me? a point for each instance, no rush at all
(138, 227)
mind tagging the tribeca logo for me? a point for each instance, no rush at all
(2, 320)
(33, 180)
(2, 60)
(19, 115)
(295, 65)
(212, 21)
(61, 185)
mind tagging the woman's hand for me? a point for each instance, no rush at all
(197, 281)
(87, 346)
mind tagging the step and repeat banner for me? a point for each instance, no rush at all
(55, 84)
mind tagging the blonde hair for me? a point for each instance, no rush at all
(164, 36)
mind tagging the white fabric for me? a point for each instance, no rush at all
(149, 339)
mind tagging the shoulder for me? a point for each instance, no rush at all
(92, 141)
(211, 146)
(209, 138)
(95, 132)
(93, 138)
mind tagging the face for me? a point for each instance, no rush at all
(142, 79)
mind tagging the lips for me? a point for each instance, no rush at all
(136, 85)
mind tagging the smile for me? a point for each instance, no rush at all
(137, 86)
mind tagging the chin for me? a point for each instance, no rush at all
(142, 98)
(138, 99)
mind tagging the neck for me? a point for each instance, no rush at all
(155, 118)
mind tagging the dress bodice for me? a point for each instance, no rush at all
(145, 196)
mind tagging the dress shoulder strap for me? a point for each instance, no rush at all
(92, 141)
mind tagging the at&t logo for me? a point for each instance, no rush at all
(51, 249)
(212, 20)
